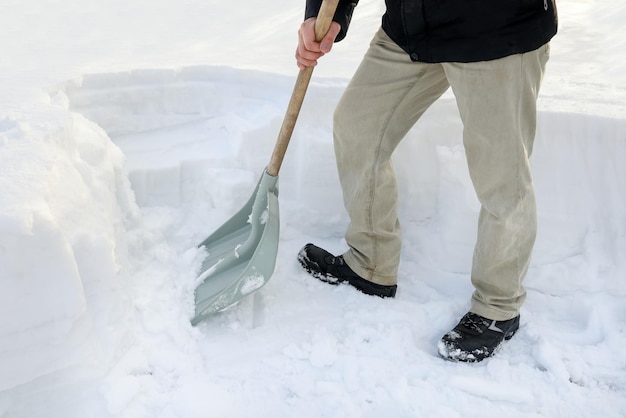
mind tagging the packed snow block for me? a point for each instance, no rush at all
(147, 100)
(311, 157)
(222, 188)
(156, 187)
(254, 147)
(66, 209)
(131, 102)
(174, 124)
(41, 298)
(580, 182)
(458, 209)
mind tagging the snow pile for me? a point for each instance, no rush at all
(109, 181)
(67, 208)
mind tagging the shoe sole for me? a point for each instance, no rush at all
(364, 287)
(303, 260)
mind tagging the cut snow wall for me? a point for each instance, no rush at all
(203, 122)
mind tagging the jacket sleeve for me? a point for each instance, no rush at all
(343, 15)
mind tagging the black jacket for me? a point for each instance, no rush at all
(459, 30)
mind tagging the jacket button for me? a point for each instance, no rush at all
(414, 57)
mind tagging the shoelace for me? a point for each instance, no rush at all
(333, 264)
(474, 323)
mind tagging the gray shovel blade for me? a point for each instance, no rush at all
(241, 253)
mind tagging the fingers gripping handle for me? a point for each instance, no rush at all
(325, 18)
(322, 24)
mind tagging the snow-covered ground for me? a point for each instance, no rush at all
(130, 130)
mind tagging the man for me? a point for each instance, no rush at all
(492, 53)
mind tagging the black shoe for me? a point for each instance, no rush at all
(475, 338)
(330, 269)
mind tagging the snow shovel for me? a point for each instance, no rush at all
(242, 252)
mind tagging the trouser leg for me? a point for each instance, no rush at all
(497, 102)
(384, 99)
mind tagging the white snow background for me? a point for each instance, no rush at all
(130, 130)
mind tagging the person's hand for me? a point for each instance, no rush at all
(309, 51)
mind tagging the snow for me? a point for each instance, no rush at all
(129, 131)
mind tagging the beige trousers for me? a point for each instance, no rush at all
(497, 104)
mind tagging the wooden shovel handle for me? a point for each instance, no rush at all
(322, 24)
